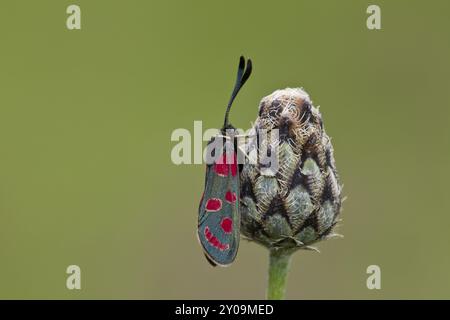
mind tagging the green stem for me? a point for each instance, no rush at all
(279, 261)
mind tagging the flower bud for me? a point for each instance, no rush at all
(295, 199)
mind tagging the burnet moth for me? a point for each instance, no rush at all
(218, 215)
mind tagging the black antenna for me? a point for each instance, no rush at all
(242, 77)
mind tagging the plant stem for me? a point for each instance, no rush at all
(279, 261)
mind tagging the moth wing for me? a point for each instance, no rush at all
(219, 219)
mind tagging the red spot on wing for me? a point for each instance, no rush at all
(227, 225)
(213, 205)
(230, 197)
(214, 241)
(222, 166)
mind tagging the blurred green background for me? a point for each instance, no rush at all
(86, 118)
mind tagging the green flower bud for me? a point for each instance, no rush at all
(296, 201)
